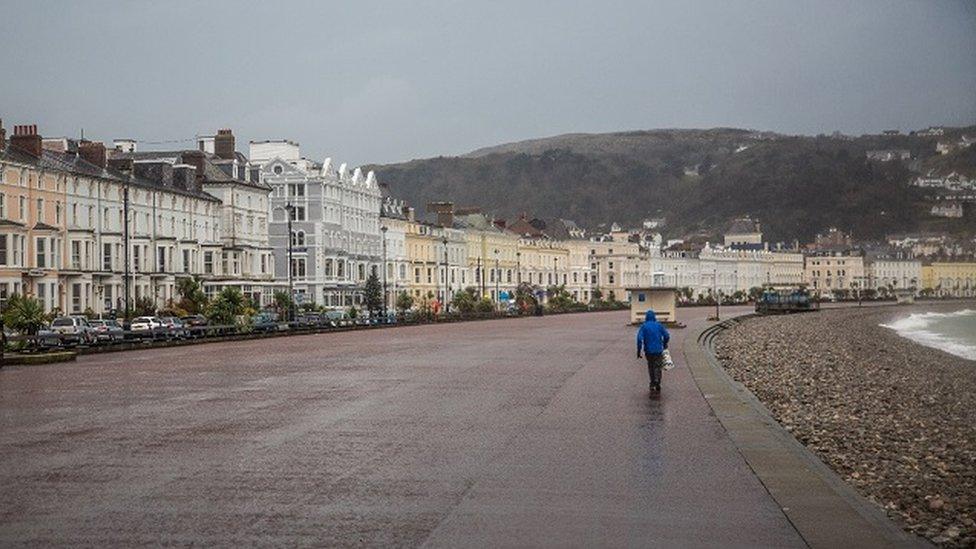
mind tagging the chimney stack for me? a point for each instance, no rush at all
(93, 152)
(25, 139)
(224, 144)
(3, 136)
(195, 159)
(444, 211)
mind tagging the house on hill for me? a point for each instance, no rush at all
(744, 233)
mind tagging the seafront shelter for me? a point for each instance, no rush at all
(663, 300)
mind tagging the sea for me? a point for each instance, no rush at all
(954, 332)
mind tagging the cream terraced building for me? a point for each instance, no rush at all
(62, 221)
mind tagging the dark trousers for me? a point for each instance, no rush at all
(655, 361)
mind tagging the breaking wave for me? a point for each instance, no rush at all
(954, 333)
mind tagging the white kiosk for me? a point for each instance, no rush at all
(663, 300)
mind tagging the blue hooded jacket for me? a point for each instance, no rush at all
(652, 337)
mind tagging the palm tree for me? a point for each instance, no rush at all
(24, 314)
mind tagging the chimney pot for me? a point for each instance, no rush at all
(25, 139)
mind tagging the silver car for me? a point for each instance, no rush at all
(73, 329)
(107, 330)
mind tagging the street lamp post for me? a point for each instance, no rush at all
(498, 274)
(481, 278)
(383, 229)
(518, 268)
(718, 295)
(289, 211)
(447, 279)
(125, 244)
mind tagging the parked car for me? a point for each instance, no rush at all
(196, 325)
(146, 326)
(174, 327)
(195, 320)
(73, 329)
(265, 322)
(107, 330)
(46, 338)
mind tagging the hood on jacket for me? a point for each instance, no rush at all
(649, 316)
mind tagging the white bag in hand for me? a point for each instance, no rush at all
(668, 363)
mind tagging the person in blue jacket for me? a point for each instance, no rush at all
(652, 340)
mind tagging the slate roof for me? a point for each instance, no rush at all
(76, 165)
(211, 171)
(742, 226)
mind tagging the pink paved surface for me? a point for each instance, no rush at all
(535, 431)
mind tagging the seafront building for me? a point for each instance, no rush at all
(244, 259)
(835, 272)
(67, 216)
(887, 273)
(335, 241)
(950, 279)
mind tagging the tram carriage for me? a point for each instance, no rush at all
(785, 299)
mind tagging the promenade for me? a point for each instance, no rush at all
(534, 431)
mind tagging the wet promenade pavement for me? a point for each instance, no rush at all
(535, 431)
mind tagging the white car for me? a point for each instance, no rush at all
(145, 326)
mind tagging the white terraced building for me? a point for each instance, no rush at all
(335, 239)
(244, 257)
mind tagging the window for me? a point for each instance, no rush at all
(298, 267)
(136, 258)
(3, 205)
(296, 190)
(41, 255)
(297, 213)
(40, 210)
(277, 170)
(208, 262)
(186, 261)
(3, 249)
(298, 238)
(76, 298)
(340, 268)
(75, 254)
(160, 259)
(107, 256)
(416, 275)
(328, 268)
(362, 271)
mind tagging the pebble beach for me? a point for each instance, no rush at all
(895, 419)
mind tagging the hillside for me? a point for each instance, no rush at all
(697, 179)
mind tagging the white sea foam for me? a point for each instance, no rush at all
(954, 333)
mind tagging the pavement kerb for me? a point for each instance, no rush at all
(824, 510)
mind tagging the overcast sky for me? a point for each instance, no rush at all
(412, 79)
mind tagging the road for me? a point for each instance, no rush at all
(535, 431)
